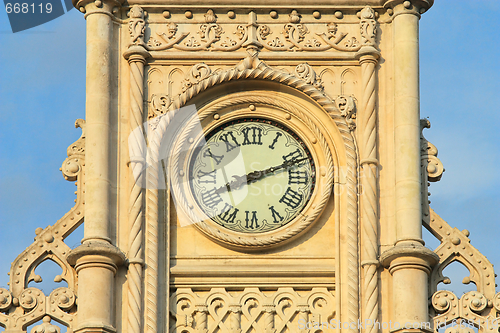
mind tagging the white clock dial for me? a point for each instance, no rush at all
(252, 176)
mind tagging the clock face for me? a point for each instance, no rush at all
(253, 175)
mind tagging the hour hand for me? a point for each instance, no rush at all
(234, 184)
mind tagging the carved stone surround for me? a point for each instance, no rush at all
(175, 40)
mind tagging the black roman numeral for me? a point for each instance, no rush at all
(252, 220)
(229, 145)
(256, 133)
(275, 140)
(216, 158)
(293, 155)
(211, 198)
(297, 177)
(276, 215)
(226, 216)
(208, 177)
(291, 198)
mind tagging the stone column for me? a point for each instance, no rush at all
(368, 57)
(136, 55)
(409, 261)
(97, 260)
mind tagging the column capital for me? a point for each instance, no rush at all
(96, 254)
(414, 7)
(368, 53)
(136, 53)
(106, 7)
(409, 256)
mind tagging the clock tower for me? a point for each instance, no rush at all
(248, 167)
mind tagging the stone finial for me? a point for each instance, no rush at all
(46, 327)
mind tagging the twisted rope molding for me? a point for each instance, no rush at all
(261, 241)
(136, 199)
(369, 194)
(242, 72)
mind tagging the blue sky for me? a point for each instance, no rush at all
(42, 92)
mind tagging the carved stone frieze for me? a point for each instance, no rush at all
(292, 36)
(250, 310)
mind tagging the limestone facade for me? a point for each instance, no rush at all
(341, 78)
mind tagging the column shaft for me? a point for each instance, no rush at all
(99, 29)
(407, 128)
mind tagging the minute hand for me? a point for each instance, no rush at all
(256, 175)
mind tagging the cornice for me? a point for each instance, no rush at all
(420, 3)
(274, 4)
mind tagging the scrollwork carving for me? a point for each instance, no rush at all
(337, 40)
(63, 297)
(443, 301)
(496, 302)
(5, 300)
(72, 166)
(30, 298)
(136, 25)
(159, 105)
(197, 73)
(429, 153)
(307, 73)
(368, 26)
(296, 35)
(251, 308)
(347, 109)
(479, 307)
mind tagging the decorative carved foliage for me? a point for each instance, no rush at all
(197, 73)
(293, 36)
(368, 26)
(249, 311)
(159, 105)
(307, 73)
(136, 25)
(296, 34)
(479, 308)
(347, 109)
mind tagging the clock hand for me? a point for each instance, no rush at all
(256, 175)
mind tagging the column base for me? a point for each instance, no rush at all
(95, 328)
